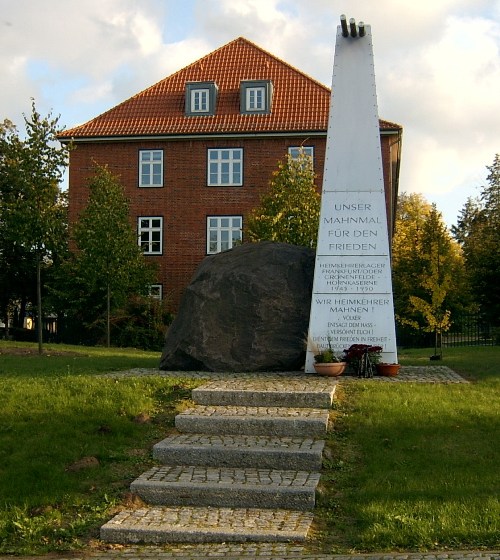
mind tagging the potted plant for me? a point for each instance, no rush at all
(387, 370)
(363, 358)
(326, 362)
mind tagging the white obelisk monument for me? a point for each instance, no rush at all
(352, 299)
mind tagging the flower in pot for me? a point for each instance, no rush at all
(327, 363)
(363, 358)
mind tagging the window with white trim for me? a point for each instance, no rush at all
(223, 233)
(200, 98)
(308, 151)
(150, 232)
(256, 97)
(151, 168)
(225, 167)
(156, 291)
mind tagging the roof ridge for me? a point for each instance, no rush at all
(143, 91)
(190, 65)
(198, 62)
(157, 108)
(284, 62)
(212, 53)
(248, 42)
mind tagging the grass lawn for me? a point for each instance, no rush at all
(71, 442)
(416, 466)
(63, 360)
(408, 466)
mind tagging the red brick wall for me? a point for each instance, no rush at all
(185, 200)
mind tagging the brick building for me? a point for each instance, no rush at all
(196, 151)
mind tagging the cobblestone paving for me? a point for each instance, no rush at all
(226, 475)
(414, 374)
(252, 377)
(419, 374)
(257, 411)
(259, 524)
(270, 382)
(304, 391)
(229, 517)
(262, 551)
(253, 420)
(240, 450)
(262, 442)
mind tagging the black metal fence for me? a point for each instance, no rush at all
(471, 330)
(466, 330)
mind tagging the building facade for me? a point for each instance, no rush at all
(196, 151)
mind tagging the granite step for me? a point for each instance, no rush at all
(160, 525)
(213, 450)
(228, 458)
(248, 420)
(227, 487)
(293, 392)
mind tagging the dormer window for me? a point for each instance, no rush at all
(201, 98)
(256, 97)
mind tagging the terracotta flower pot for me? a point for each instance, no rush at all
(388, 370)
(332, 369)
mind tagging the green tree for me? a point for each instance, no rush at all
(33, 208)
(478, 232)
(289, 212)
(436, 280)
(470, 216)
(411, 213)
(428, 269)
(11, 254)
(108, 266)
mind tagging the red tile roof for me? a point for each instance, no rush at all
(299, 103)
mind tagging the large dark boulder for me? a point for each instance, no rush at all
(246, 309)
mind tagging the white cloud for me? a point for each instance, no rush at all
(89, 42)
(147, 33)
(445, 93)
(91, 94)
(437, 64)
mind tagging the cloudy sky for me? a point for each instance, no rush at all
(437, 65)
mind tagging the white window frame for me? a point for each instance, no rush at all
(255, 99)
(153, 245)
(151, 165)
(223, 233)
(222, 163)
(156, 291)
(200, 100)
(293, 152)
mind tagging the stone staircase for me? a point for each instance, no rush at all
(244, 467)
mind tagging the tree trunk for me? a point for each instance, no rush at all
(20, 314)
(39, 325)
(7, 325)
(108, 318)
(5, 316)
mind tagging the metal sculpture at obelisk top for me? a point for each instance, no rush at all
(352, 299)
